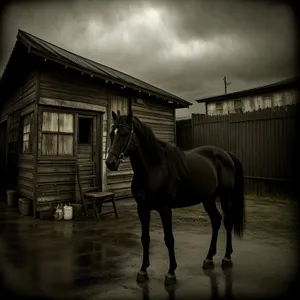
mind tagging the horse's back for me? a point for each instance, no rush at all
(210, 166)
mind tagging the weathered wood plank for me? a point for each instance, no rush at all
(71, 104)
(22, 96)
(250, 134)
(54, 178)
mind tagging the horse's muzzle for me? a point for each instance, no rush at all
(112, 162)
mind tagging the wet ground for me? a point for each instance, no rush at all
(89, 260)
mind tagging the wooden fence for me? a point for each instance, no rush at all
(264, 141)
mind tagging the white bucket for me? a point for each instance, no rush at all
(68, 212)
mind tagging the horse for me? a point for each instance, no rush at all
(166, 177)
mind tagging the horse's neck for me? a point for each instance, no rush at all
(141, 163)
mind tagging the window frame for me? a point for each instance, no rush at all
(29, 133)
(238, 105)
(220, 110)
(58, 133)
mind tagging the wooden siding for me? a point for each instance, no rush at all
(255, 102)
(26, 173)
(18, 102)
(22, 96)
(160, 117)
(3, 151)
(59, 83)
(56, 179)
(84, 155)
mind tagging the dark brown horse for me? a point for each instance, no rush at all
(165, 177)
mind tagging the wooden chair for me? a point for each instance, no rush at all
(90, 193)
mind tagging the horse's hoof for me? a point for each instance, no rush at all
(226, 263)
(208, 264)
(142, 276)
(170, 279)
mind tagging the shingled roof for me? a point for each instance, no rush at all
(52, 52)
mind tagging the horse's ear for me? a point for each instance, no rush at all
(114, 115)
(129, 115)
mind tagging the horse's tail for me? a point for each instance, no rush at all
(237, 199)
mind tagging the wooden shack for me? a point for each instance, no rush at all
(56, 110)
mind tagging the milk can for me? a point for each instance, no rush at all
(68, 212)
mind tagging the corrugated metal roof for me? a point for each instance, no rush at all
(46, 49)
(255, 90)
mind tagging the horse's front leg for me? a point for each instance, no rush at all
(144, 216)
(166, 218)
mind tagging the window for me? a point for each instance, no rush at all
(267, 100)
(238, 106)
(277, 99)
(287, 97)
(14, 132)
(85, 130)
(219, 107)
(57, 133)
(26, 134)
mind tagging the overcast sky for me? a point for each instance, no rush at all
(185, 48)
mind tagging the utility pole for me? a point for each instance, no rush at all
(226, 84)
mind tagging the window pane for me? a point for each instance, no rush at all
(27, 119)
(26, 146)
(65, 145)
(26, 128)
(49, 144)
(50, 121)
(66, 123)
(26, 137)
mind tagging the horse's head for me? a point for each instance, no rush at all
(122, 138)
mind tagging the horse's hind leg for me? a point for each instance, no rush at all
(215, 219)
(228, 224)
(166, 219)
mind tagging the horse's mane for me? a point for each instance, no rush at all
(158, 150)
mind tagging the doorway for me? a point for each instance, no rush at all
(89, 144)
(85, 138)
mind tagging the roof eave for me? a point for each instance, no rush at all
(246, 92)
(180, 102)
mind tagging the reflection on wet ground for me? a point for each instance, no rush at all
(90, 260)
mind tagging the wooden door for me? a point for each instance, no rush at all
(89, 144)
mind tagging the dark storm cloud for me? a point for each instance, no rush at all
(183, 47)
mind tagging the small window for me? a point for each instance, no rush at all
(267, 100)
(219, 107)
(238, 106)
(85, 130)
(26, 134)
(57, 133)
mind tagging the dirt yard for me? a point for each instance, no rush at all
(90, 260)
